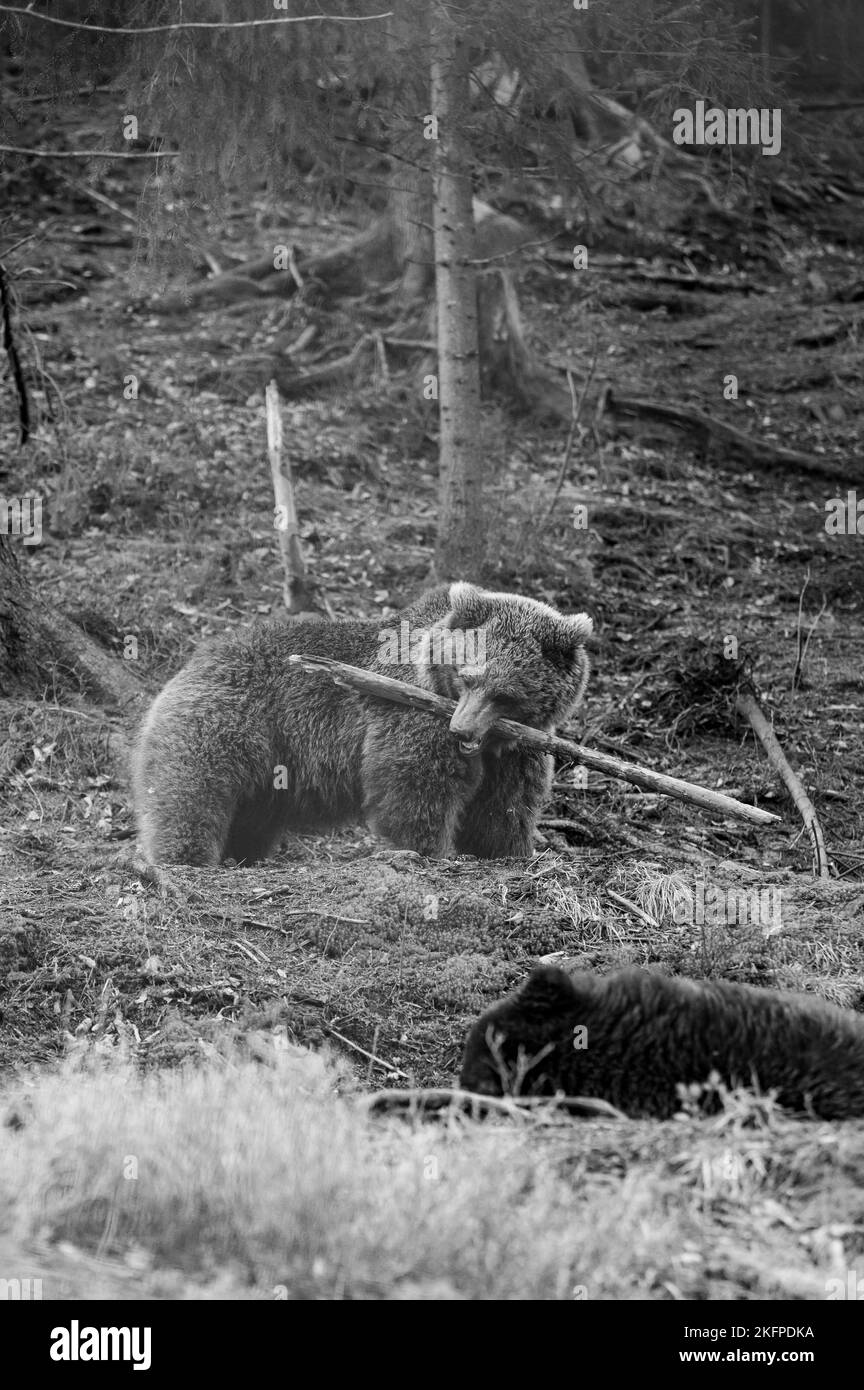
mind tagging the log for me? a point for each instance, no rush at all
(40, 647)
(385, 688)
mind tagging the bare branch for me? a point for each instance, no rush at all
(386, 688)
(197, 24)
(748, 705)
(92, 154)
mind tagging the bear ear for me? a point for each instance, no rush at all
(560, 652)
(579, 627)
(465, 600)
(561, 645)
(463, 593)
(549, 989)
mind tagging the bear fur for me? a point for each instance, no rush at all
(241, 746)
(647, 1034)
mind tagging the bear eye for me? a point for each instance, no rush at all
(507, 708)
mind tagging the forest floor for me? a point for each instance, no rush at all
(158, 526)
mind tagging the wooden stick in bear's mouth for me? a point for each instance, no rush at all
(386, 688)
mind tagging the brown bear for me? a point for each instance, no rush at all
(241, 745)
(633, 1037)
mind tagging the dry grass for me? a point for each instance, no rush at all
(265, 1174)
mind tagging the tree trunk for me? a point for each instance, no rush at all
(411, 208)
(40, 649)
(459, 551)
(410, 183)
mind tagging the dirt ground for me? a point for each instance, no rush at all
(159, 526)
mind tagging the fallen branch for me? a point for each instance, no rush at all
(802, 648)
(440, 1098)
(100, 198)
(714, 284)
(754, 450)
(414, 344)
(632, 907)
(385, 688)
(372, 1056)
(310, 332)
(846, 105)
(747, 704)
(337, 369)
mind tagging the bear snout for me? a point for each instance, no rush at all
(472, 718)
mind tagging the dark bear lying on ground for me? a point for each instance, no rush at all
(634, 1037)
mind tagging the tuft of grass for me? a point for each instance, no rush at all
(657, 892)
(583, 909)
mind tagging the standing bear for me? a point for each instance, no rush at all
(242, 746)
(633, 1037)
